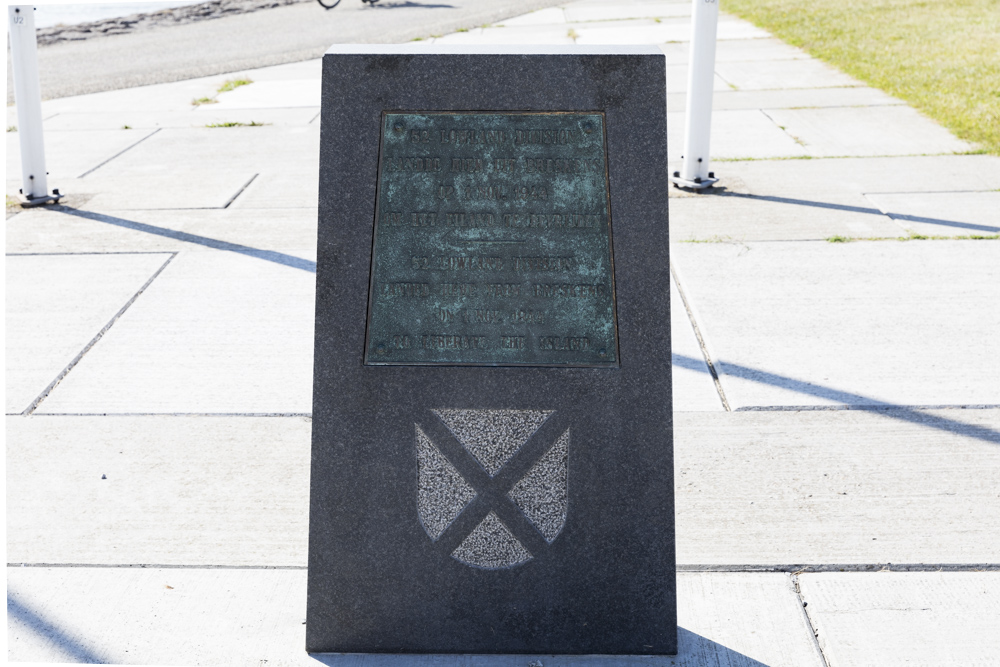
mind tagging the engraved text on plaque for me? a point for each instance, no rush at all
(492, 242)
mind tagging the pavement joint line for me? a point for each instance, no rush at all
(779, 158)
(824, 106)
(866, 239)
(805, 568)
(100, 334)
(126, 149)
(809, 620)
(783, 130)
(158, 566)
(164, 414)
(927, 192)
(783, 90)
(721, 569)
(732, 86)
(313, 119)
(886, 213)
(240, 191)
(741, 241)
(867, 408)
(701, 341)
(72, 254)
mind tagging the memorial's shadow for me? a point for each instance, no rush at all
(693, 650)
(847, 400)
(216, 244)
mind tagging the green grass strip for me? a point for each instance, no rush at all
(233, 123)
(939, 56)
(233, 84)
(915, 237)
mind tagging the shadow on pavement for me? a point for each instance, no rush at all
(693, 651)
(852, 401)
(872, 211)
(215, 244)
(19, 615)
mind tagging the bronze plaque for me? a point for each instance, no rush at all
(492, 242)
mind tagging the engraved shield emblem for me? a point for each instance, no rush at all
(491, 439)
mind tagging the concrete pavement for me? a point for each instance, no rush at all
(837, 478)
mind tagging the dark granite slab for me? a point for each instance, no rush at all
(492, 509)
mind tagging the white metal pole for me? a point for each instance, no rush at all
(28, 97)
(701, 75)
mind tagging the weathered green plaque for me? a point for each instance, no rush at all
(492, 242)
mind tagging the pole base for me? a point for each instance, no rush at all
(696, 184)
(30, 202)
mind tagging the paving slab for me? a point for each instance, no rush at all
(816, 488)
(547, 16)
(639, 31)
(863, 323)
(272, 94)
(278, 189)
(860, 131)
(184, 189)
(762, 48)
(677, 81)
(135, 615)
(753, 489)
(793, 98)
(64, 229)
(56, 305)
(531, 34)
(807, 179)
(735, 50)
(943, 213)
(693, 386)
(72, 154)
(667, 30)
(740, 218)
(625, 10)
(255, 149)
(195, 117)
(917, 619)
(173, 96)
(783, 74)
(151, 616)
(304, 69)
(757, 617)
(677, 53)
(193, 491)
(192, 188)
(737, 134)
(217, 332)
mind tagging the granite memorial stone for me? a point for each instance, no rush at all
(492, 465)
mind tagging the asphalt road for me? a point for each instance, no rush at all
(266, 37)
